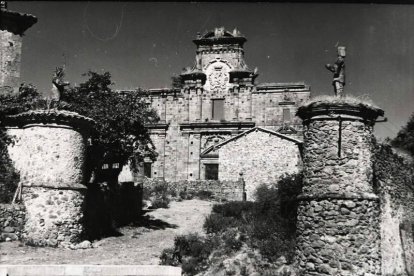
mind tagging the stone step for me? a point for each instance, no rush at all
(89, 270)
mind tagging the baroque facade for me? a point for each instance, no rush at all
(218, 100)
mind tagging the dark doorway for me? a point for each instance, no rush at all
(211, 171)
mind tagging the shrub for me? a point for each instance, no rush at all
(268, 225)
(204, 195)
(216, 223)
(190, 250)
(160, 202)
(159, 195)
(234, 209)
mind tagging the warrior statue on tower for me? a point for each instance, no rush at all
(338, 68)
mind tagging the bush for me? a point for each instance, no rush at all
(216, 223)
(204, 195)
(191, 251)
(159, 195)
(160, 202)
(234, 209)
(268, 225)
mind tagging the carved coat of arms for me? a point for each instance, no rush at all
(218, 78)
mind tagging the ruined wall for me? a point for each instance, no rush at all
(395, 186)
(12, 217)
(338, 226)
(224, 190)
(262, 157)
(10, 57)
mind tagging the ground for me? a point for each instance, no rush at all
(140, 245)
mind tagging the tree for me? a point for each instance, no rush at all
(120, 119)
(405, 137)
(27, 98)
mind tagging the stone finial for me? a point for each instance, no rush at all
(236, 32)
(219, 32)
(58, 83)
(338, 68)
(3, 5)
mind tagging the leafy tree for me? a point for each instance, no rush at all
(405, 137)
(120, 118)
(27, 98)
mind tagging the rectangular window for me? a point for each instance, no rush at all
(218, 109)
(105, 166)
(147, 169)
(211, 171)
(115, 166)
(286, 115)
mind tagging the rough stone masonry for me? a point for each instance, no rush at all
(49, 153)
(338, 227)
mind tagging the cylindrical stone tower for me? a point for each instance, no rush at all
(338, 229)
(50, 155)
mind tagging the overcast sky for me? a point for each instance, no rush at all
(143, 44)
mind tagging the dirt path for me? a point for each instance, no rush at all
(138, 245)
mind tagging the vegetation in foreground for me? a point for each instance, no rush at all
(243, 238)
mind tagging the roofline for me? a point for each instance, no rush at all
(218, 146)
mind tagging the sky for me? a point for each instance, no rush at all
(142, 44)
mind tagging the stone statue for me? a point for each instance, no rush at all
(3, 5)
(338, 68)
(58, 84)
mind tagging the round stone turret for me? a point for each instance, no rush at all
(338, 217)
(50, 153)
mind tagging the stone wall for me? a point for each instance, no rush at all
(12, 218)
(261, 155)
(224, 190)
(338, 226)
(54, 216)
(49, 152)
(395, 186)
(338, 235)
(10, 56)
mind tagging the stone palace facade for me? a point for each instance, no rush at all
(217, 101)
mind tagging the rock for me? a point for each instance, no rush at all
(8, 229)
(52, 242)
(349, 204)
(84, 245)
(310, 266)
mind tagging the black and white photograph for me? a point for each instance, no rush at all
(206, 138)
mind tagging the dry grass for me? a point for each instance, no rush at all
(363, 101)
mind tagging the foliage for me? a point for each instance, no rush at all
(405, 137)
(159, 195)
(191, 251)
(267, 225)
(120, 118)
(10, 104)
(204, 195)
(9, 178)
